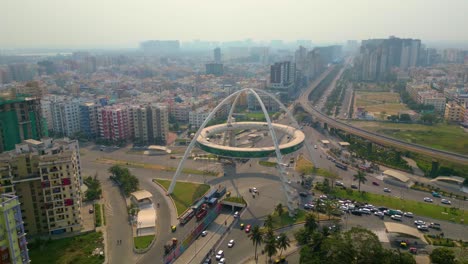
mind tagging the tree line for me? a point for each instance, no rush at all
(126, 180)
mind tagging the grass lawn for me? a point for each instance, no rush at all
(267, 163)
(307, 167)
(185, 193)
(153, 166)
(418, 208)
(257, 116)
(76, 250)
(97, 215)
(379, 102)
(285, 220)
(449, 137)
(143, 242)
(235, 199)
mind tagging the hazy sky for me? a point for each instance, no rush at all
(124, 23)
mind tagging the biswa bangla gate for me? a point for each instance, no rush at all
(201, 140)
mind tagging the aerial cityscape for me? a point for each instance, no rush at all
(234, 132)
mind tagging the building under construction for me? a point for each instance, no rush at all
(20, 119)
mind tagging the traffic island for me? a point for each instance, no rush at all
(185, 193)
(143, 243)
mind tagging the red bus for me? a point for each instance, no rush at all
(201, 214)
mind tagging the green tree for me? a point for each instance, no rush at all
(279, 209)
(310, 223)
(94, 188)
(256, 237)
(329, 207)
(443, 255)
(268, 222)
(303, 236)
(361, 178)
(429, 118)
(115, 170)
(283, 242)
(396, 256)
(270, 243)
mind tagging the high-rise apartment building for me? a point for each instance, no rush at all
(151, 124)
(283, 79)
(160, 123)
(46, 177)
(65, 116)
(215, 69)
(113, 122)
(13, 245)
(379, 56)
(89, 119)
(20, 119)
(217, 55)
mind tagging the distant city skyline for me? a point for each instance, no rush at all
(124, 24)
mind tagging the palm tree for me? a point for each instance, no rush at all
(310, 222)
(283, 242)
(257, 237)
(268, 222)
(361, 178)
(279, 209)
(270, 243)
(329, 207)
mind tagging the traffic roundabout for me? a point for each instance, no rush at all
(296, 141)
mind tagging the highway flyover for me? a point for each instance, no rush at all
(437, 154)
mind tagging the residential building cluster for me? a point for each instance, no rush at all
(46, 177)
(445, 86)
(378, 57)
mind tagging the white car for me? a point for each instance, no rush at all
(379, 213)
(396, 217)
(423, 228)
(204, 233)
(409, 214)
(445, 201)
(236, 214)
(231, 243)
(365, 211)
(254, 190)
(428, 200)
(219, 255)
(387, 190)
(222, 261)
(419, 222)
(315, 146)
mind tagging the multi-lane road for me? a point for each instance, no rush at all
(378, 138)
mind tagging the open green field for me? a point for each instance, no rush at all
(97, 215)
(285, 220)
(439, 136)
(418, 208)
(152, 166)
(267, 163)
(380, 102)
(143, 242)
(77, 250)
(307, 167)
(185, 193)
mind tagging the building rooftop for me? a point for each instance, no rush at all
(142, 194)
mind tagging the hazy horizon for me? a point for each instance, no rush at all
(124, 24)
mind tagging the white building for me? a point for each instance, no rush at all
(46, 112)
(65, 116)
(198, 116)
